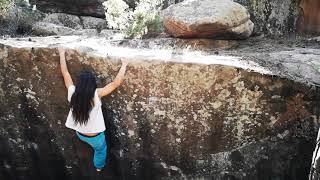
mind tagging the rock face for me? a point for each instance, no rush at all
(25, 21)
(175, 117)
(66, 24)
(83, 8)
(310, 21)
(315, 166)
(19, 21)
(207, 19)
(274, 17)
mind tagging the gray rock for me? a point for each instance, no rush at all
(86, 32)
(81, 8)
(93, 23)
(18, 20)
(66, 24)
(112, 34)
(66, 20)
(47, 29)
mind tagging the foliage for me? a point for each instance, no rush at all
(135, 23)
(117, 14)
(145, 16)
(5, 4)
(317, 66)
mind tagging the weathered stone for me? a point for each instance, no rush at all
(87, 32)
(48, 29)
(66, 20)
(273, 17)
(18, 20)
(93, 23)
(83, 8)
(280, 17)
(178, 114)
(112, 34)
(310, 20)
(207, 19)
(207, 45)
(66, 24)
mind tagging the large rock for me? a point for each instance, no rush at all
(178, 115)
(93, 23)
(208, 19)
(280, 17)
(62, 19)
(66, 24)
(49, 29)
(76, 7)
(19, 20)
(310, 20)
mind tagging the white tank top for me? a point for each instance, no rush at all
(96, 121)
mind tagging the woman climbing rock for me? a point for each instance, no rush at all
(85, 115)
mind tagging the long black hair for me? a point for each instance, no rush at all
(82, 99)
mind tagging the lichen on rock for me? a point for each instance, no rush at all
(187, 116)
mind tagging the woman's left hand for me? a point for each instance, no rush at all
(61, 51)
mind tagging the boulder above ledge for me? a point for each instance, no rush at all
(208, 19)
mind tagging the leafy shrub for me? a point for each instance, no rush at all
(135, 23)
(5, 4)
(146, 18)
(117, 14)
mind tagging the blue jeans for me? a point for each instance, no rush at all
(98, 143)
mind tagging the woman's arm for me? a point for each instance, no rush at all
(116, 82)
(64, 69)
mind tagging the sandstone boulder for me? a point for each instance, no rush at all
(208, 19)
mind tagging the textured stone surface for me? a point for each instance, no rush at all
(19, 21)
(207, 19)
(310, 22)
(83, 8)
(61, 19)
(273, 17)
(48, 29)
(280, 17)
(93, 23)
(178, 114)
(66, 24)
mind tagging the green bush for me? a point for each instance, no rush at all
(5, 4)
(117, 14)
(144, 25)
(135, 23)
(317, 66)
